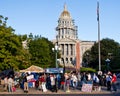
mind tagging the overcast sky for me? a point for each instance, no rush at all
(40, 17)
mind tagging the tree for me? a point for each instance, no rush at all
(115, 63)
(12, 54)
(41, 51)
(22, 37)
(109, 49)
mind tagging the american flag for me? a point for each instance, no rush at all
(97, 11)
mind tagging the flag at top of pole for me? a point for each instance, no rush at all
(97, 10)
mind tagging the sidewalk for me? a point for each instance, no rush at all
(76, 91)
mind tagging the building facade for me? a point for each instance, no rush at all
(72, 49)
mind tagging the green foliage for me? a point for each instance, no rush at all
(22, 37)
(13, 55)
(83, 69)
(41, 51)
(10, 47)
(109, 49)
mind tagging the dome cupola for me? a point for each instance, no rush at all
(65, 14)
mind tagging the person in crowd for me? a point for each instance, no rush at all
(104, 79)
(25, 83)
(10, 84)
(96, 85)
(75, 81)
(84, 78)
(114, 80)
(79, 78)
(52, 80)
(100, 78)
(108, 81)
(58, 80)
(43, 81)
(66, 75)
(13, 86)
(89, 78)
(55, 87)
(37, 84)
(6, 83)
(40, 83)
(53, 83)
(63, 82)
(48, 83)
(2, 81)
(68, 85)
(95, 79)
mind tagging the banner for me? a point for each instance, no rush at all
(86, 88)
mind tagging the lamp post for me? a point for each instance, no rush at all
(56, 49)
(107, 62)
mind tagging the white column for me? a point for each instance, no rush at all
(64, 49)
(69, 49)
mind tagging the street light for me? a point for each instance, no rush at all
(107, 62)
(56, 49)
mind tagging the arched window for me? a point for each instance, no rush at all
(71, 60)
(62, 60)
(66, 60)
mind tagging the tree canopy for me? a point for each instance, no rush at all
(12, 54)
(109, 50)
(41, 50)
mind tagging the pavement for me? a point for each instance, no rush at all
(72, 91)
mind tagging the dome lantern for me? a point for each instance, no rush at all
(65, 14)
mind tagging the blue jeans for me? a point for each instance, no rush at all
(114, 86)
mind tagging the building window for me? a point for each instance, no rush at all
(67, 49)
(62, 31)
(66, 60)
(71, 47)
(71, 60)
(62, 60)
(62, 49)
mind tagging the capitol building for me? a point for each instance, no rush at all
(71, 48)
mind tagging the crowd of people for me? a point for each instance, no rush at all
(59, 81)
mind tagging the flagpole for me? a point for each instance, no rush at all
(99, 51)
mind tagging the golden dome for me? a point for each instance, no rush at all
(65, 13)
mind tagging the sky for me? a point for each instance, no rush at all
(40, 17)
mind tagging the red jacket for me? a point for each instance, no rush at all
(42, 79)
(114, 78)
